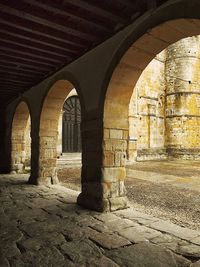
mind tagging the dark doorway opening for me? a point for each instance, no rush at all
(71, 133)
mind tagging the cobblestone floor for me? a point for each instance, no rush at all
(43, 226)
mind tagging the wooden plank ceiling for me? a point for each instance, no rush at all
(39, 37)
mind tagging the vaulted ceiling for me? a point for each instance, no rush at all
(39, 37)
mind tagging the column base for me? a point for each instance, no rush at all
(32, 180)
(43, 181)
(102, 205)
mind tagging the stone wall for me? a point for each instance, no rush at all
(146, 112)
(183, 98)
(21, 139)
(164, 111)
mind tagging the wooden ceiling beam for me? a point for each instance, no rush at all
(31, 54)
(19, 72)
(63, 10)
(26, 59)
(9, 89)
(151, 4)
(96, 9)
(11, 85)
(9, 61)
(17, 67)
(20, 9)
(17, 80)
(14, 81)
(19, 23)
(33, 49)
(128, 3)
(21, 38)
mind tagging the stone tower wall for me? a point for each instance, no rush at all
(164, 111)
(183, 98)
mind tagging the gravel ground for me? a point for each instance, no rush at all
(178, 205)
(162, 200)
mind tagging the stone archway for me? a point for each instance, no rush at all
(118, 95)
(21, 139)
(60, 149)
(49, 130)
(69, 154)
(164, 108)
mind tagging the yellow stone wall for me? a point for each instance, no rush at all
(183, 98)
(164, 111)
(146, 112)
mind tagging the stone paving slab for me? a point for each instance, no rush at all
(196, 240)
(42, 226)
(146, 255)
(196, 264)
(139, 234)
(161, 225)
(175, 230)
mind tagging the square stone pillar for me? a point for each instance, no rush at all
(103, 169)
(35, 142)
(5, 144)
(48, 159)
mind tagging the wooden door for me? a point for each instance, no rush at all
(71, 134)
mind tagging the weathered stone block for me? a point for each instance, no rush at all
(113, 145)
(106, 133)
(118, 203)
(132, 145)
(116, 134)
(118, 159)
(94, 203)
(125, 134)
(109, 158)
(113, 174)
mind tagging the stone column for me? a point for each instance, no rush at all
(48, 157)
(18, 152)
(114, 172)
(33, 179)
(59, 142)
(133, 122)
(183, 98)
(103, 170)
(5, 144)
(92, 191)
